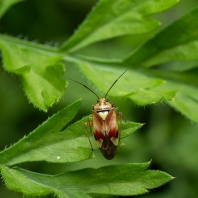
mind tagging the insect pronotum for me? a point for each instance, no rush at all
(104, 123)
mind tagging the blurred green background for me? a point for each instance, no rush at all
(168, 138)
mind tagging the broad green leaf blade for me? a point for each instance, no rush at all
(16, 181)
(40, 70)
(176, 42)
(73, 193)
(133, 85)
(123, 180)
(6, 4)
(112, 18)
(41, 143)
(49, 143)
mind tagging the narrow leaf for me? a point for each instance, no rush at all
(123, 180)
(176, 42)
(40, 70)
(111, 18)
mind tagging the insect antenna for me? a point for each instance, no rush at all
(115, 82)
(85, 87)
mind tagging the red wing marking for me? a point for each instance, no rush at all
(113, 133)
(98, 126)
(98, 135)
(111, 124)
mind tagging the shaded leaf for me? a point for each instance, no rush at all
(186, 99)
(40, 70)
(111, 18)
(124, 180)
(176, 42)
(6, 4)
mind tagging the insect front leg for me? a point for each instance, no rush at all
(88, 126)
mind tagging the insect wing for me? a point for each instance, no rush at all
(112, 126)
(99, 129)
(106, 133)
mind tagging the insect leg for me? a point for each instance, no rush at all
(119, 115)
(88, 125)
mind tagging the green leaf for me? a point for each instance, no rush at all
(186, 99)
(40, 70)
(44, 143)
(26, 186)
(49, 143)
(129, 127)
(112, 18)
(123, 180)
(6, 4)
(133, 85)
(176, 42)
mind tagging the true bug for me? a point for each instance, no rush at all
(104, 122)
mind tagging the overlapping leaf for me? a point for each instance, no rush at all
(41, 74)
(134, 85)
(186, 99)
(111, 18)
(38, 145)
(124, 180)
(40, 70)
(49, 142)
(179, 41)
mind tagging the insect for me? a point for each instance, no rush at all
(104, 123)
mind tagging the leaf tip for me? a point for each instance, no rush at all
(92, 155)
(122, 144)
(147, 164)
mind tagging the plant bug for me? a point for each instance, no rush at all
(104, 123)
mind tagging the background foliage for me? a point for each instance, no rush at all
(168, 138)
